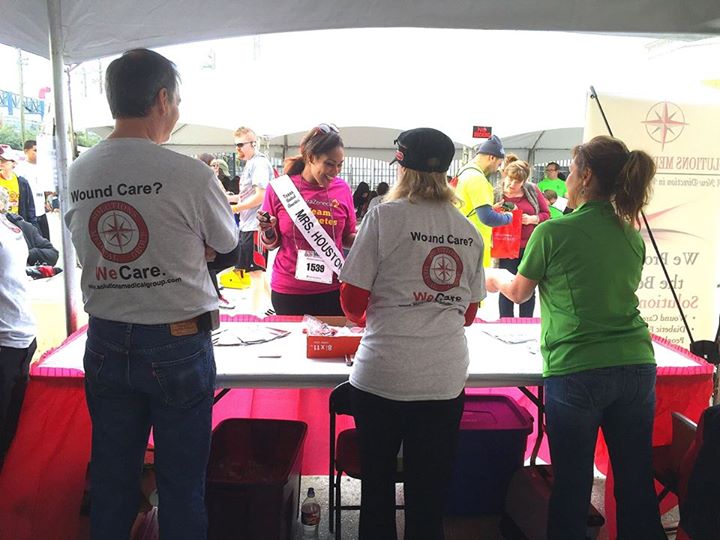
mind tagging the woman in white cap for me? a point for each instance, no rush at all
(415, 274)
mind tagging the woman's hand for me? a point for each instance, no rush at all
(496, 278)
(529, 219)
(498, 206)
(266, 221)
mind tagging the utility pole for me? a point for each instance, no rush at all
(21, 91)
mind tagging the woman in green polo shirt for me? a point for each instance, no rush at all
(599, 365)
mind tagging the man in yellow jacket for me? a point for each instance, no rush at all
(476, 192)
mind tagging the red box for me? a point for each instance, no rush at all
(253, 479)
(333, 346)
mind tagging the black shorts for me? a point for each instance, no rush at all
(253, 255)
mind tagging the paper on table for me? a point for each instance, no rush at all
(247, 335)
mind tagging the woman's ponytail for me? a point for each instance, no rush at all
(633, 187)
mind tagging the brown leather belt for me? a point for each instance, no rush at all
(208, 321)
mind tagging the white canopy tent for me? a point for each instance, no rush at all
(78, 30)
(89, 29)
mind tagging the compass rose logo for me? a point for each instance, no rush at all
(664, 122)
(118, 231)
(442, 269)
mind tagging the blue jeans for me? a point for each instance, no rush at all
(621, 400)
(137, 377)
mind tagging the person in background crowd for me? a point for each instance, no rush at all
(598, 359)
(382, 189)
(302, 281)
(518, 190)
(148, 360)
(552, 180)
(17, 327)
(206, 158)
(475, 192)
(40, 250)
(221, 261)
(230, 185)
(551, 196)
(254, 180)
(361, 197)
(21, 194)
(410, 370)
(41, 188)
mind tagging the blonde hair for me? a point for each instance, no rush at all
(242, 130)
(624, 177)
(421, 186)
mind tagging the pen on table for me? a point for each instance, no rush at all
(269, 356)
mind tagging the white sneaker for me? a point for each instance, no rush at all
(225, 303)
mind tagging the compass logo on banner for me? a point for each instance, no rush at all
(442, 269)
(664, 122)
(118, 231)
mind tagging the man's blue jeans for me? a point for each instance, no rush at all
(621, 400)
(137, 377)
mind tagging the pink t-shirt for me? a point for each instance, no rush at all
(334, 210)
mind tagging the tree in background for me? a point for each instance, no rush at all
(11, 135)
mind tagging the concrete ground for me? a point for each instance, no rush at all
(47, 298)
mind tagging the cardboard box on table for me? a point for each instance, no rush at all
(333, 346)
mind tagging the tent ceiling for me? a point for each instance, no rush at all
(98, 28)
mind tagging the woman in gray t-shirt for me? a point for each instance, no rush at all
(415, 272)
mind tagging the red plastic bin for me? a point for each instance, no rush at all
(491, 447)
(253, 479)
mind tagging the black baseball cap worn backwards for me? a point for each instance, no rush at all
(424, 149)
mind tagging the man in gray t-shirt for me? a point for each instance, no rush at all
(254, 180)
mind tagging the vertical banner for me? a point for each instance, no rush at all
(684, 212)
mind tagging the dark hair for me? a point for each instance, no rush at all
(555, 164)
(316, 142)
(383, 188)
(29, 144)
(550, 194)
(624, 177)
(133, 81)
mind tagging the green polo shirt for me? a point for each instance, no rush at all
(588, 266)
(557, 185)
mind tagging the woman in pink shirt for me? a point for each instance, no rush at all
(302, 281)
(527, 197)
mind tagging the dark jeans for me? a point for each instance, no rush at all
(507, 308)
(310, 304)
(428, 431)
(621, 400)
(137, 377)
(14, 371)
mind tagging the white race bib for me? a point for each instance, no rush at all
(310, 267)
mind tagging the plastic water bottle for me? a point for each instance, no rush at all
(310, 515)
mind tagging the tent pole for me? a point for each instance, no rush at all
(61, 164)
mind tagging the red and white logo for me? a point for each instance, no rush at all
(442, 269)
(664, 122)
(118, 231)
(399, 155)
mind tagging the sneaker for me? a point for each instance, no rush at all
(225, 303)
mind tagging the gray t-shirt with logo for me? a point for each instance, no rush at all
(422, 263)
(257, 173)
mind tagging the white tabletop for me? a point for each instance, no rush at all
(501, 354)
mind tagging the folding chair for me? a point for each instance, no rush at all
(344, 458)
(667, 460)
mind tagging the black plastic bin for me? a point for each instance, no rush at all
(253, 479)
(491, 447)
